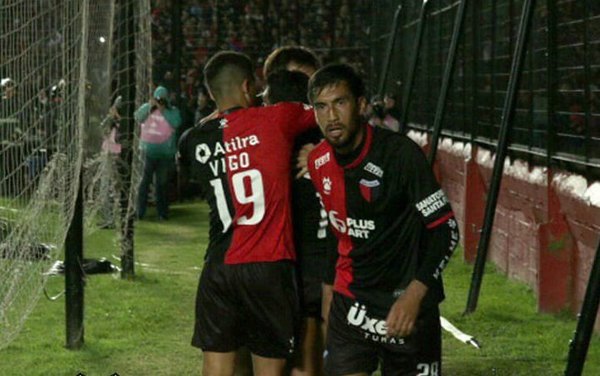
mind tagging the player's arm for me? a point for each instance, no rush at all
(298, 117)
(421, 188)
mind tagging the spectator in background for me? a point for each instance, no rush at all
(204, 105)
(383, 113)
(11, 122)
(159, 121)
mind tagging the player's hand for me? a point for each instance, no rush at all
(403, 315)
(302, 159)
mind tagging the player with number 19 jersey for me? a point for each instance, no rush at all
(244, 159)
(247, 295)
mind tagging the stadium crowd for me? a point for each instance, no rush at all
(333, 29)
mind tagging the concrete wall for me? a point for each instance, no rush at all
(547, 223)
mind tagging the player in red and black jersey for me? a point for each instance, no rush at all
(312, 238)
(247, 293)
(396, 232)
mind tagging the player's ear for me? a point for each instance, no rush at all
(210, 94)
(246, 86)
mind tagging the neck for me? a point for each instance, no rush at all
(227, 105)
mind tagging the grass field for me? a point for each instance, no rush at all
(143, 327)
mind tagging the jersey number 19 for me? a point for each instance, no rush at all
(254, 196)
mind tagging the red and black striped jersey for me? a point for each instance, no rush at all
(392, 220)
(242, 161)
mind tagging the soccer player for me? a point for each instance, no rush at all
(315, 245)
(311, 237)
(247, 292)
(396, 232)
(292, 58)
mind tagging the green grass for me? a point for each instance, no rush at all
(143, 327)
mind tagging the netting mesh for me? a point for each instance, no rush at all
(41, 127)
(58, 81)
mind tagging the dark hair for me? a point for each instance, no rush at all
(333, 74)
(226, 69)
(286, 86)
(282, 56)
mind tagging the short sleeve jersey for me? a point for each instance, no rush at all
(380, 206)
(313, 239)
(242, 161)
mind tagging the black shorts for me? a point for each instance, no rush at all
(356, 342)
(253, 305)
(310, 280)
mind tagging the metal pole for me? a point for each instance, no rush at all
(552, 81)
(126, 61)
(578, 347)
(74, 277)
(440, 110)
(505, 127)
(388, 54)
(412, 67)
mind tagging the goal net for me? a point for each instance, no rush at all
(58, 81)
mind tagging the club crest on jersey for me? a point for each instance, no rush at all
(326, 185)
(370, 189)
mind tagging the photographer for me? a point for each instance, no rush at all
(159, 120)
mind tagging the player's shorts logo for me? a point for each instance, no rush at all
(202, 153)
(373, 329)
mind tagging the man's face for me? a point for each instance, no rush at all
(338, 115)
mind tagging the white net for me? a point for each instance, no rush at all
(112, 165)
(41, 122)
(58, 81)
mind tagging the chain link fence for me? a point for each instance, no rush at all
(557, 120)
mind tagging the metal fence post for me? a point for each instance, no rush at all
(412, 68)
(585, 325)
(440, 110)
(505, 127)
(388, 54)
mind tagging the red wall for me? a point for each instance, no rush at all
(543, 235)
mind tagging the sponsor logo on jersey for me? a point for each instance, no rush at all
(373, 329)
(357, 228)
(374, 169)
(319, 162)
(432, 203)
(327, 185)
(204, 152)
(369, 189)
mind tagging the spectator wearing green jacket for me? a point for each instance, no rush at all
(158, 120)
